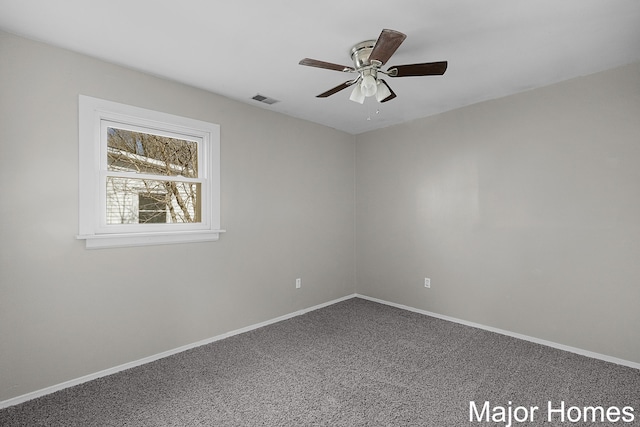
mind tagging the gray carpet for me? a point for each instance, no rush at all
(356, 363)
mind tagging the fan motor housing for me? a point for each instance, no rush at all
(360, 53)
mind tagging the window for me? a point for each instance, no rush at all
(146, 177)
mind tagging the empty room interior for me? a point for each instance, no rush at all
(487, 195)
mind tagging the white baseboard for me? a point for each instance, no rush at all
(580, 351)
(52, 389)
(48, 390)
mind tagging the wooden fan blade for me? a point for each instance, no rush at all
(336, 89)
(390, 97)
(386, 45)
(426, 69)
(328, 65)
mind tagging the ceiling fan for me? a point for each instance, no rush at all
(368, 56)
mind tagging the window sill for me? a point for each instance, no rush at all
(100, 241)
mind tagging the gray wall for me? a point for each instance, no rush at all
(287, 204)
(524, 212)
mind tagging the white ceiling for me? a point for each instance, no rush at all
(241, 48)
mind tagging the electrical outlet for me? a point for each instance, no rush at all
(427, 282)
(298, 283)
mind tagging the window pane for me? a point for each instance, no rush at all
(147, 201)
(151, 154)
(152, 208)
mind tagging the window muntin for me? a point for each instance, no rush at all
(146, 177)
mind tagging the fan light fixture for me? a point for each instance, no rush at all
(368, 85)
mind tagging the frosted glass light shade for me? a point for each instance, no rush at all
(357, 95)
(368, 85)
(382, 92)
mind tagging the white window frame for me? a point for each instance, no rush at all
(94, 115)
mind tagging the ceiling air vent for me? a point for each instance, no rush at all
(265, 99)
